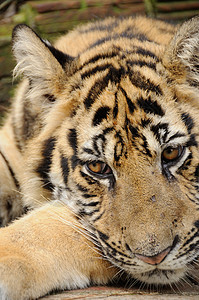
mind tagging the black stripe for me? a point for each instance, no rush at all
(176, 135)
(75, 161)
(129, 34)
(95, 143)
(94, 70)
(113, 75)
(72, 138)
(103, 56)
(196, 223)
(95, 91)
(115, 109)
(44, 167)
(145, 122)
(87, 196)
(11, 171)
(131, 105)
(145, 145)
(196, 173)
(158, 134)
(188, 121)
(135, 134)
(101, 137)
(142, 63)
(105, 238)
(100, 115)
(98, 57)
(89, 151)
(126, 35)
(143, 83)
(134, 131)
(82, 212)
(93, 203)
(107, 130)
(82, 188)
(89, 179)
(146, 53)
(116, 52)
(192, 141)
(128, 248)
(65, 168)
(150, 106)
(190, 240)
(50, 97)
(1, 222)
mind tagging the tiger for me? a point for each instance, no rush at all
(99, 158)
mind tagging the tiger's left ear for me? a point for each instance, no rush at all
(37, 59)
(182, 55)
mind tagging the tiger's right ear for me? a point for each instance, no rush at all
(37, 59)
(182, 55)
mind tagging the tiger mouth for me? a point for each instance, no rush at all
(161, 277)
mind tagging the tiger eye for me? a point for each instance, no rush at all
(95, 167)
(99, 168)
(172, 153)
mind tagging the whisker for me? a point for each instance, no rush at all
(177, 287)
(133, 282)
(118, 274)
(171, 287)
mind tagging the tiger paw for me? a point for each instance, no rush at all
(30, 264)
(16, 279)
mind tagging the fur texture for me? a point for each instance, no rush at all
(102, 142)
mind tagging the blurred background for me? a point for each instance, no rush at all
(53, 18)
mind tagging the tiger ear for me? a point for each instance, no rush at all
(182, 55)
(37, 59)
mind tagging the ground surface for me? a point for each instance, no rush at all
(114, 293)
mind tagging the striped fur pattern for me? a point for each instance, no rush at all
(11, 205)
(106, 124)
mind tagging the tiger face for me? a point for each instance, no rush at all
(111, 130)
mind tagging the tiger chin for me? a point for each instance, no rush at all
(99, 160)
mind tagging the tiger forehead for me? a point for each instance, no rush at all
(116, 97)
(115, 46)
(124, 32)
(115, 109)
(107, 83)
(135, 75)
(142, 121)
(118, 61)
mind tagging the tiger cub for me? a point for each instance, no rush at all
(101, 147)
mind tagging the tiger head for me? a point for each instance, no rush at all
(111, 130)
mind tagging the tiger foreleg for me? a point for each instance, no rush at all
(11, 170)
(45, 250)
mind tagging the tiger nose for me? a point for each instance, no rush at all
(155, 259)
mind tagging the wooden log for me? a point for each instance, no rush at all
(64, 20)
(44, 6)
(178, 16)
(178, 6)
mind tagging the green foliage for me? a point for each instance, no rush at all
(151, 8)
(26, 15)
(83, 4)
